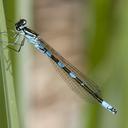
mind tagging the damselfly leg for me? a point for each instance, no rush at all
(15, 46)
(16, 42)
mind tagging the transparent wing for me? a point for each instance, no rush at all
(75, 86)
(87, 85)
(72, 83)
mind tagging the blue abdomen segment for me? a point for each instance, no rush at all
(72, 75)
(60, 64)
(48, 53)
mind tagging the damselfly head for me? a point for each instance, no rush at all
(20, 24)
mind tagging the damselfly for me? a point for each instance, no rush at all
(78, 83)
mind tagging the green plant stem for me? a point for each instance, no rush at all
(7, 79)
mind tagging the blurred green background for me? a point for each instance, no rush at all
(106, 43)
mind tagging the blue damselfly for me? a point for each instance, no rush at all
(78, 83)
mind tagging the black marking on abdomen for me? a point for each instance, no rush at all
(79, 81)
(43, 49)
(54, 59)
(66, 70)
(84, 86)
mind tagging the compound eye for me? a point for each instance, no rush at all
(20, 24)
(23, 21)
(18, 28)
